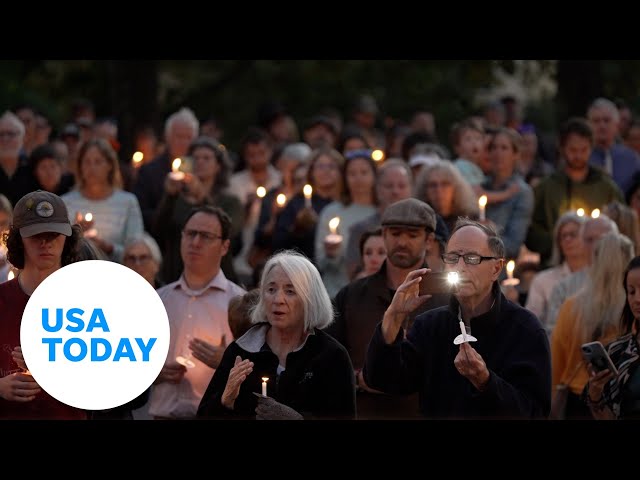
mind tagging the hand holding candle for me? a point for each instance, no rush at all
(137, 159)
(482, 205)
(264, 386)
(333, 238)
(510, 281)
(176, 174)
(90, 232)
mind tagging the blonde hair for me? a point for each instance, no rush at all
(599, 302)
(627, 220)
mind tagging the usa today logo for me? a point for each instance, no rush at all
(94, 335)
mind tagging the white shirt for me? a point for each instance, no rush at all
(199, 313)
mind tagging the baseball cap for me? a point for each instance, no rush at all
(409, 212)
(39, 212)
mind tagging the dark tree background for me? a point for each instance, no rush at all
(145, 91)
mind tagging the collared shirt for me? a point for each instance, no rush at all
(201, 314)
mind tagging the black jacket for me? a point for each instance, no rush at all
(318, 381)
(511, 341)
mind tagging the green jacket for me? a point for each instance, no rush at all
(557, 194)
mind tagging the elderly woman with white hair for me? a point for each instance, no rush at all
(285, 366)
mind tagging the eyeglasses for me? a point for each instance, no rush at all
(469, 258)
(9, 134)
(206, 237)
(137, 258)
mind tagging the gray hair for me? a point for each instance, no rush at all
(604, 104)
(464, 202)
(394, 163)
(495, 243)
(149, 242)
(557, 257)
(306, 280)
(13, 118)
(297, 151)
(184, 115)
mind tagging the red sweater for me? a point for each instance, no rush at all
(12, 304)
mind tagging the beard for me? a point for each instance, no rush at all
(401, 258)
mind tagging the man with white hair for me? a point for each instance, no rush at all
(616, 159)
(180, 129)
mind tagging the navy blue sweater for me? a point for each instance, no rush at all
(511, 341)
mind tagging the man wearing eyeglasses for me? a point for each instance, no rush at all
(504, 373)
(16, 178)
(197, 305)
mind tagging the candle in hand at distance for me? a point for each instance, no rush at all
(92, 232)
(510, 281)
(308, 191)
(482, 204)
(281, 200)
(334, 237)
(176, 174)
(137, 159)
(261, 192)
(264, 386)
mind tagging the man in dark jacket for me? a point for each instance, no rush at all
(506, 373)
(408, 232)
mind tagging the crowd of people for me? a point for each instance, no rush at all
(305, 258)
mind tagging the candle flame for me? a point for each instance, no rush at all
(11, 275)
(511, 265)
(175, 165)
(265, 379)
(88, 217)
(137, 157)
(580, 212)
(482, 201)
(453, 278)
(281, 199)
(307, 190)
(595, 213)
(261, 192)
(377, 155)
(333, 224)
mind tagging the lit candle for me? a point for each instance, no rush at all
(281, 200)
(595, 213)
(580, 212)
(264, 386)
(261, 192)
(377, 155)
(482, 204)
(92, 232)
(137, 159)
(334, 237)
(453, 278)
(11, 276)
(510, 281)
(308, 191)
(176, 174)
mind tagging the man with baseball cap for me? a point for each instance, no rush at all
(39, 242)
(408, 228)
(481, 356)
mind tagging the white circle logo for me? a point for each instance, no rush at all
(94, 335)
(44, 209)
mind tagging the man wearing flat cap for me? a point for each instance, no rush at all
(40, 241)
(481, 356)
(408, 231)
